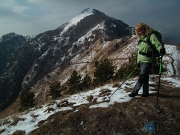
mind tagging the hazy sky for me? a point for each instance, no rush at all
(31, 17)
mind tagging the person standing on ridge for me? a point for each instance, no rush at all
(145, 57)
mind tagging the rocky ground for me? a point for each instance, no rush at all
(127, 118)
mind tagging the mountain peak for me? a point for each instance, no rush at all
(94, 11)
(86, 12)
(90, 11)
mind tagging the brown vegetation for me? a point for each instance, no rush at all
(121, 118)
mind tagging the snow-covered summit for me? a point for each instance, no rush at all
(94, 11)
(80, 16)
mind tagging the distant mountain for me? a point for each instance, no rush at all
(26, 61)
(171, 36)
(11, 44)
(16, 60)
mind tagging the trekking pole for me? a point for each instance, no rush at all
(160, 72)
(123, 82)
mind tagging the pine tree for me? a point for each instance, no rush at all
(27, 99)
(86, 82)
(74, 82)
(104, 72)
(55, 90)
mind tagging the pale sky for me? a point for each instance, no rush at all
(32, 17)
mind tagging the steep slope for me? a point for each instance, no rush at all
(61, 48)
(120, 114)
(50, 53)
(15, 59)
(84, 63)
(121, 118)
(9, 44)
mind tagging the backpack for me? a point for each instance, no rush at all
(155, 51)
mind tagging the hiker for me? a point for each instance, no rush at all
(145, 57)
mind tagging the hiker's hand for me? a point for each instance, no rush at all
(138, 65)
(162, 51)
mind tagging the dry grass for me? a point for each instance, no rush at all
(19, 132)
(121, 118)
(2, 130)
(16, 119)
(89, 98)
(5, 121)
(104, 92)
(33, 115)
(49, 109)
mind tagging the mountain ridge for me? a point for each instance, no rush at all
(51, 49)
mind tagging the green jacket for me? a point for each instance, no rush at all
(144, 47)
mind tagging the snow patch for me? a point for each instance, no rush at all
(75, 20)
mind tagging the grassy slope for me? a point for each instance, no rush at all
(121, 118)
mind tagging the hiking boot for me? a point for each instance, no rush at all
(132, 95)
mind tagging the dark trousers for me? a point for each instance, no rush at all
(143, 79)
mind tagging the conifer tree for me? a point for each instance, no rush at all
(86, 82)
(104, 72)
(74, 82)
(55, 90)
(27, 99)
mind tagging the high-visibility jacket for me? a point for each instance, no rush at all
(144, 47)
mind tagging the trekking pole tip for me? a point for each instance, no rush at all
(158, 110)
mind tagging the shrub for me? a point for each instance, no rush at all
(125, 70)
